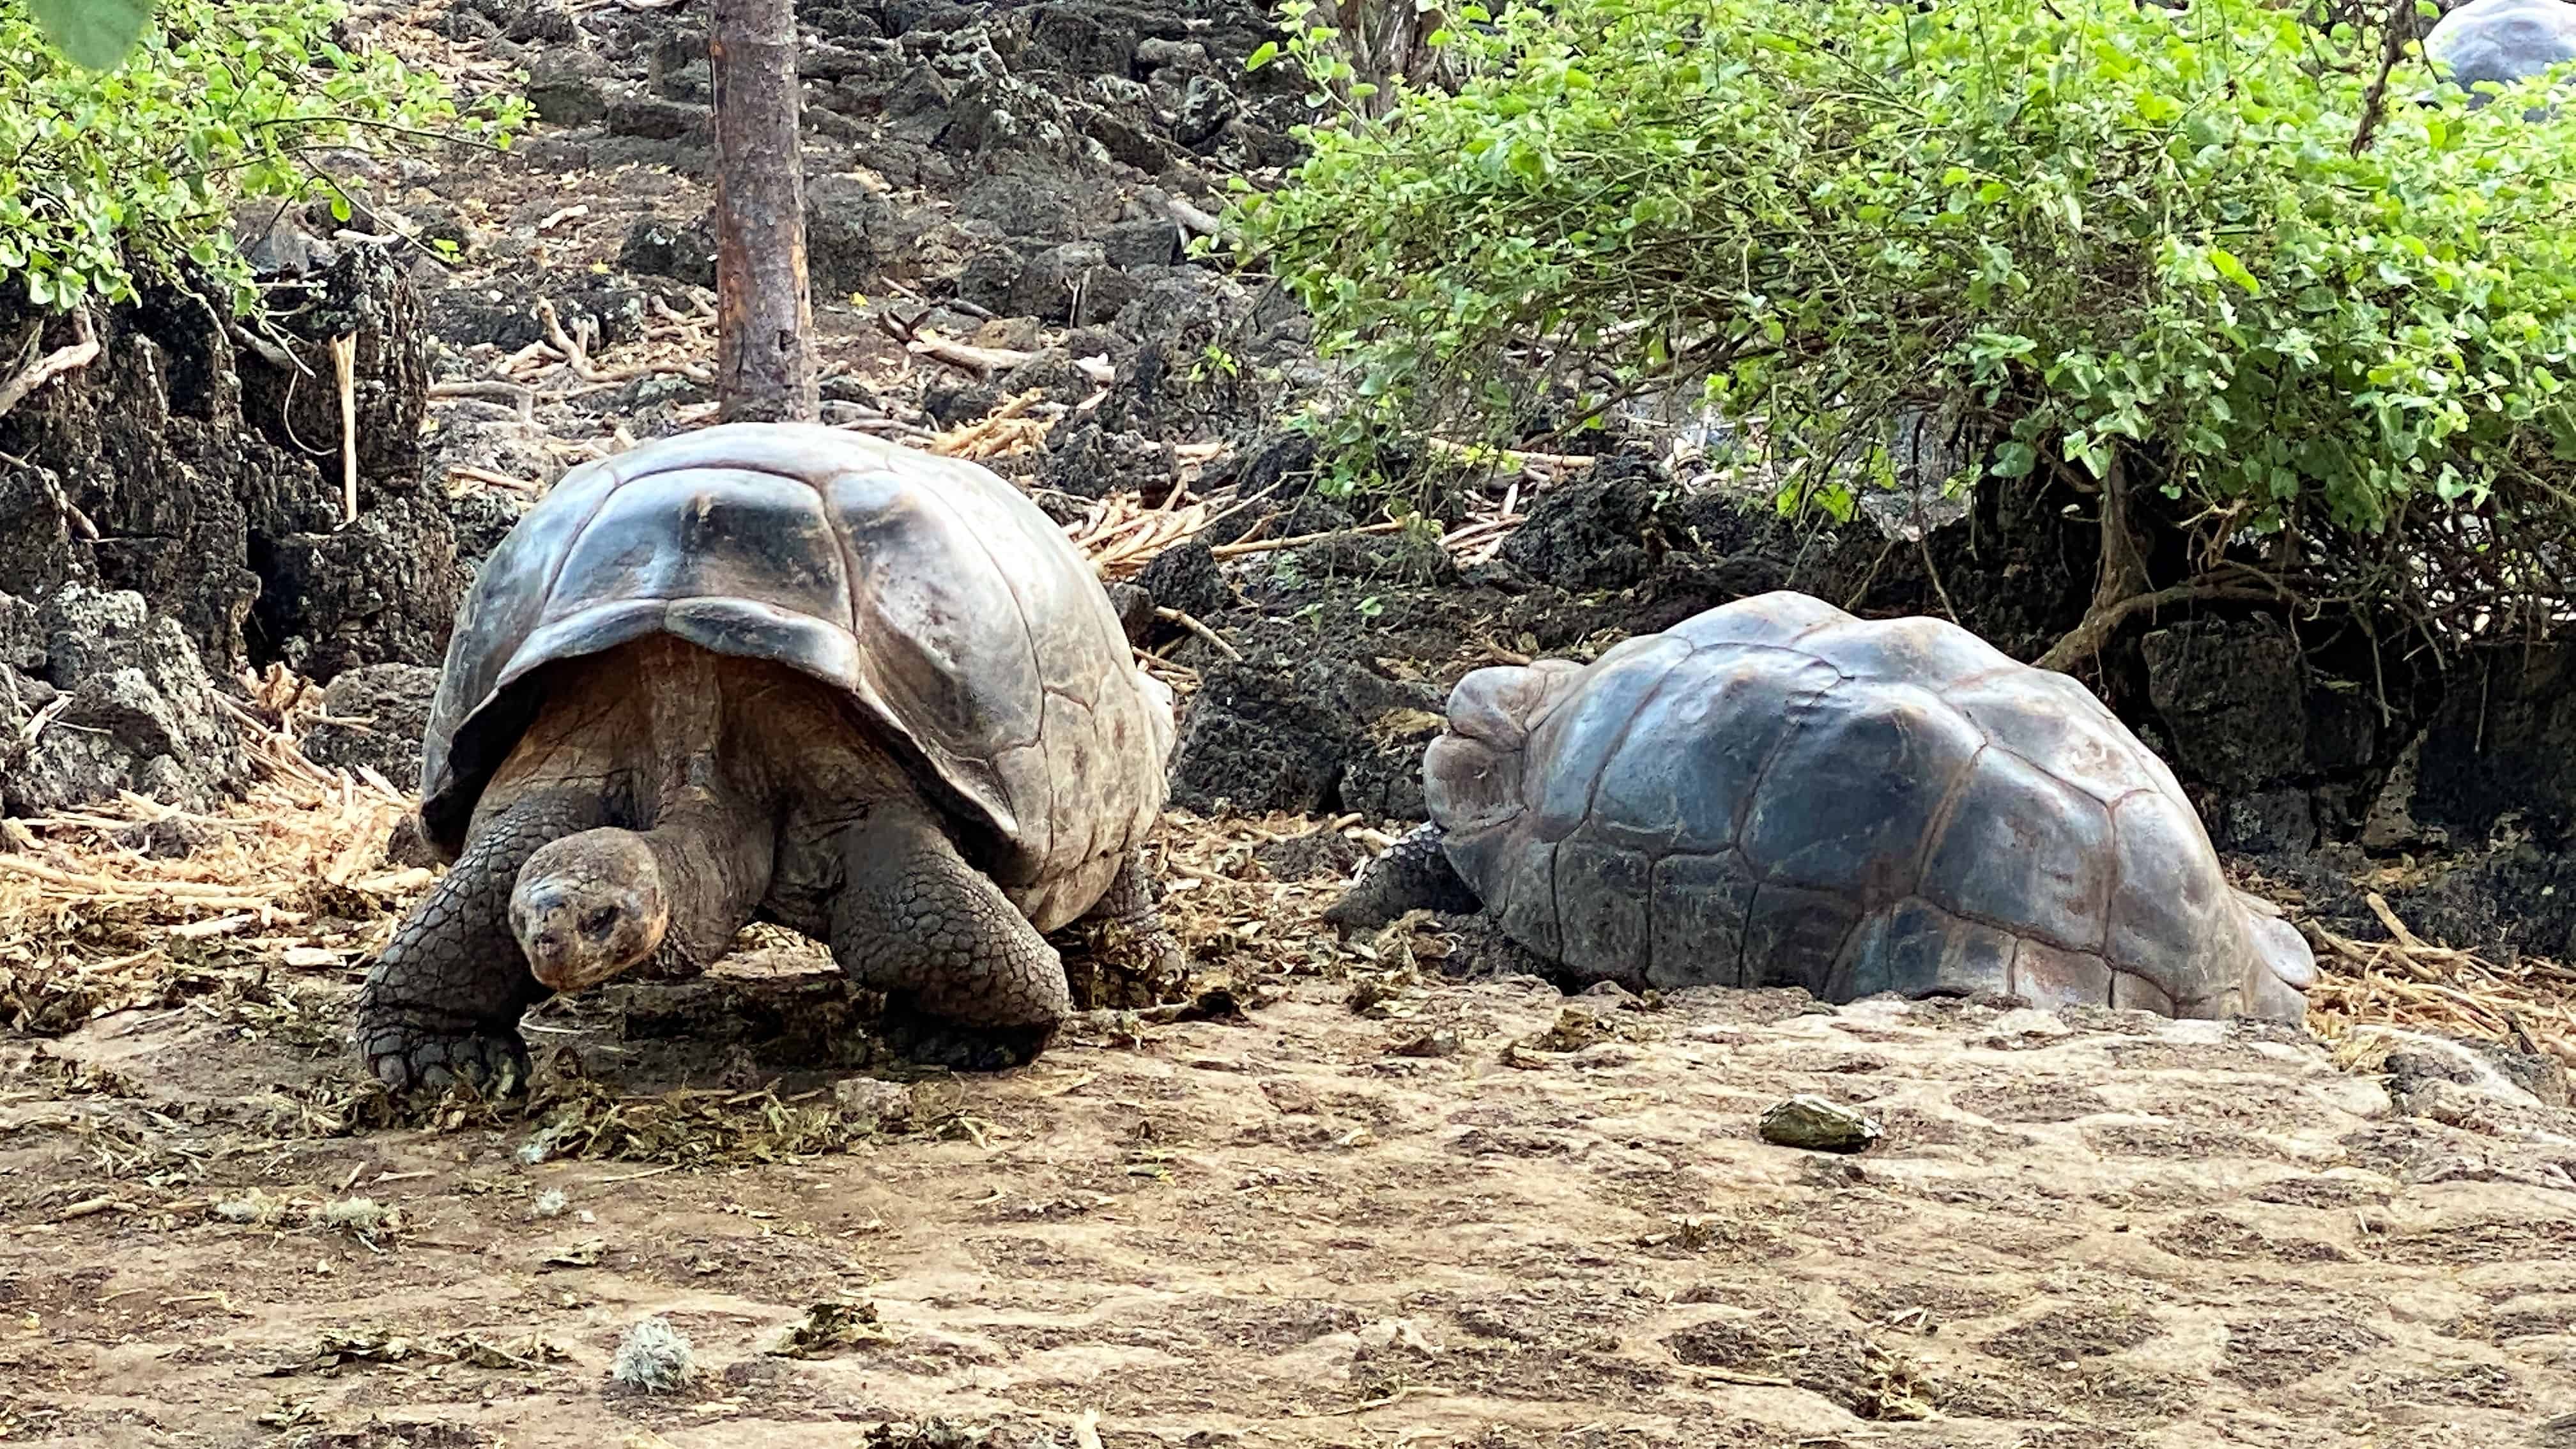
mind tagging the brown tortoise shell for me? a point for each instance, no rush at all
(968, 631)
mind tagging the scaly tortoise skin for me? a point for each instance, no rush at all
(1774, 792)
(785, 662)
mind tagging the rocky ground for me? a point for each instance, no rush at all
(1333, 1195)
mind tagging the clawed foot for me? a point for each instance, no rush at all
(932, 1042)
(411, 1055)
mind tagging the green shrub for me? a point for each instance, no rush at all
(2125, 242)
(116, 175)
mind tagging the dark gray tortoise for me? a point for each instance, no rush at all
(785, 673)
(1774, 793)
(2503, 41)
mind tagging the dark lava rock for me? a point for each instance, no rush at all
(380, 589)
(482, 519)
(905, 17)
(564, 88)
(1028, 206)
(36, 552)
(1081, 39)
(1205, 109)
(1602, 529)
(1157, 53)
(990, 278)
(952, 403)
(1187, 577)
(22, 635)
(2264, 822)
(140, 713)
(2503, 742)
(2229, 694)
(1135, 613)
(1257, 742)
(684, 253)
(1086, 460)
(1051, 372)
(1270, 732)
(652, 118)
(375, 717)
(852, 235)
(364, 294)
(1133, 244)
(541, 23)
(188, 458)
(677, 69)
(1056, 280)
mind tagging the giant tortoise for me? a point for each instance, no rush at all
(786, 673)
(1775, 793)
(2503, 41)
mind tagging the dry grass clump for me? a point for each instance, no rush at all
(2529, 1004)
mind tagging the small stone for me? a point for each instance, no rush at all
(1818, 1125)
(1135, 611)
(874, 1098)
(1154, 53)
(1440, 1041)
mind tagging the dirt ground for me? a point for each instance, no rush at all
(1370, 1210)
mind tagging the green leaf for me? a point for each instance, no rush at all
(95, 34)
(2233, 270)
(1262, 54)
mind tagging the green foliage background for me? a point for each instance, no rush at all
(113, 175)
(2101, 228)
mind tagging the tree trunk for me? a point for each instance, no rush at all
(2119, 580)
(764, 308)
(2120, 591)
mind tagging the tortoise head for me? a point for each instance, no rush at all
(1472, 772)
(2283, 968)
(589, 906)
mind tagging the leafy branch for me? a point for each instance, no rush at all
(2190, 254)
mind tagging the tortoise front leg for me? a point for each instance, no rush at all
(1413, 875)
(443, 1003)
(969, 983)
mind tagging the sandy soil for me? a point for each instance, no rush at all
(1439, 1216)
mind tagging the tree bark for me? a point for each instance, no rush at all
(2121, 575)
(764, 307)
(2120, 591)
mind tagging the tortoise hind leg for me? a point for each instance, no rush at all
(443, 1003)
(1124, 933)
(969, 983)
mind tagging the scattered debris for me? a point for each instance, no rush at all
(654, 1357)
(828, 1328)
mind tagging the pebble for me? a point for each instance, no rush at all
(1818, 1126)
